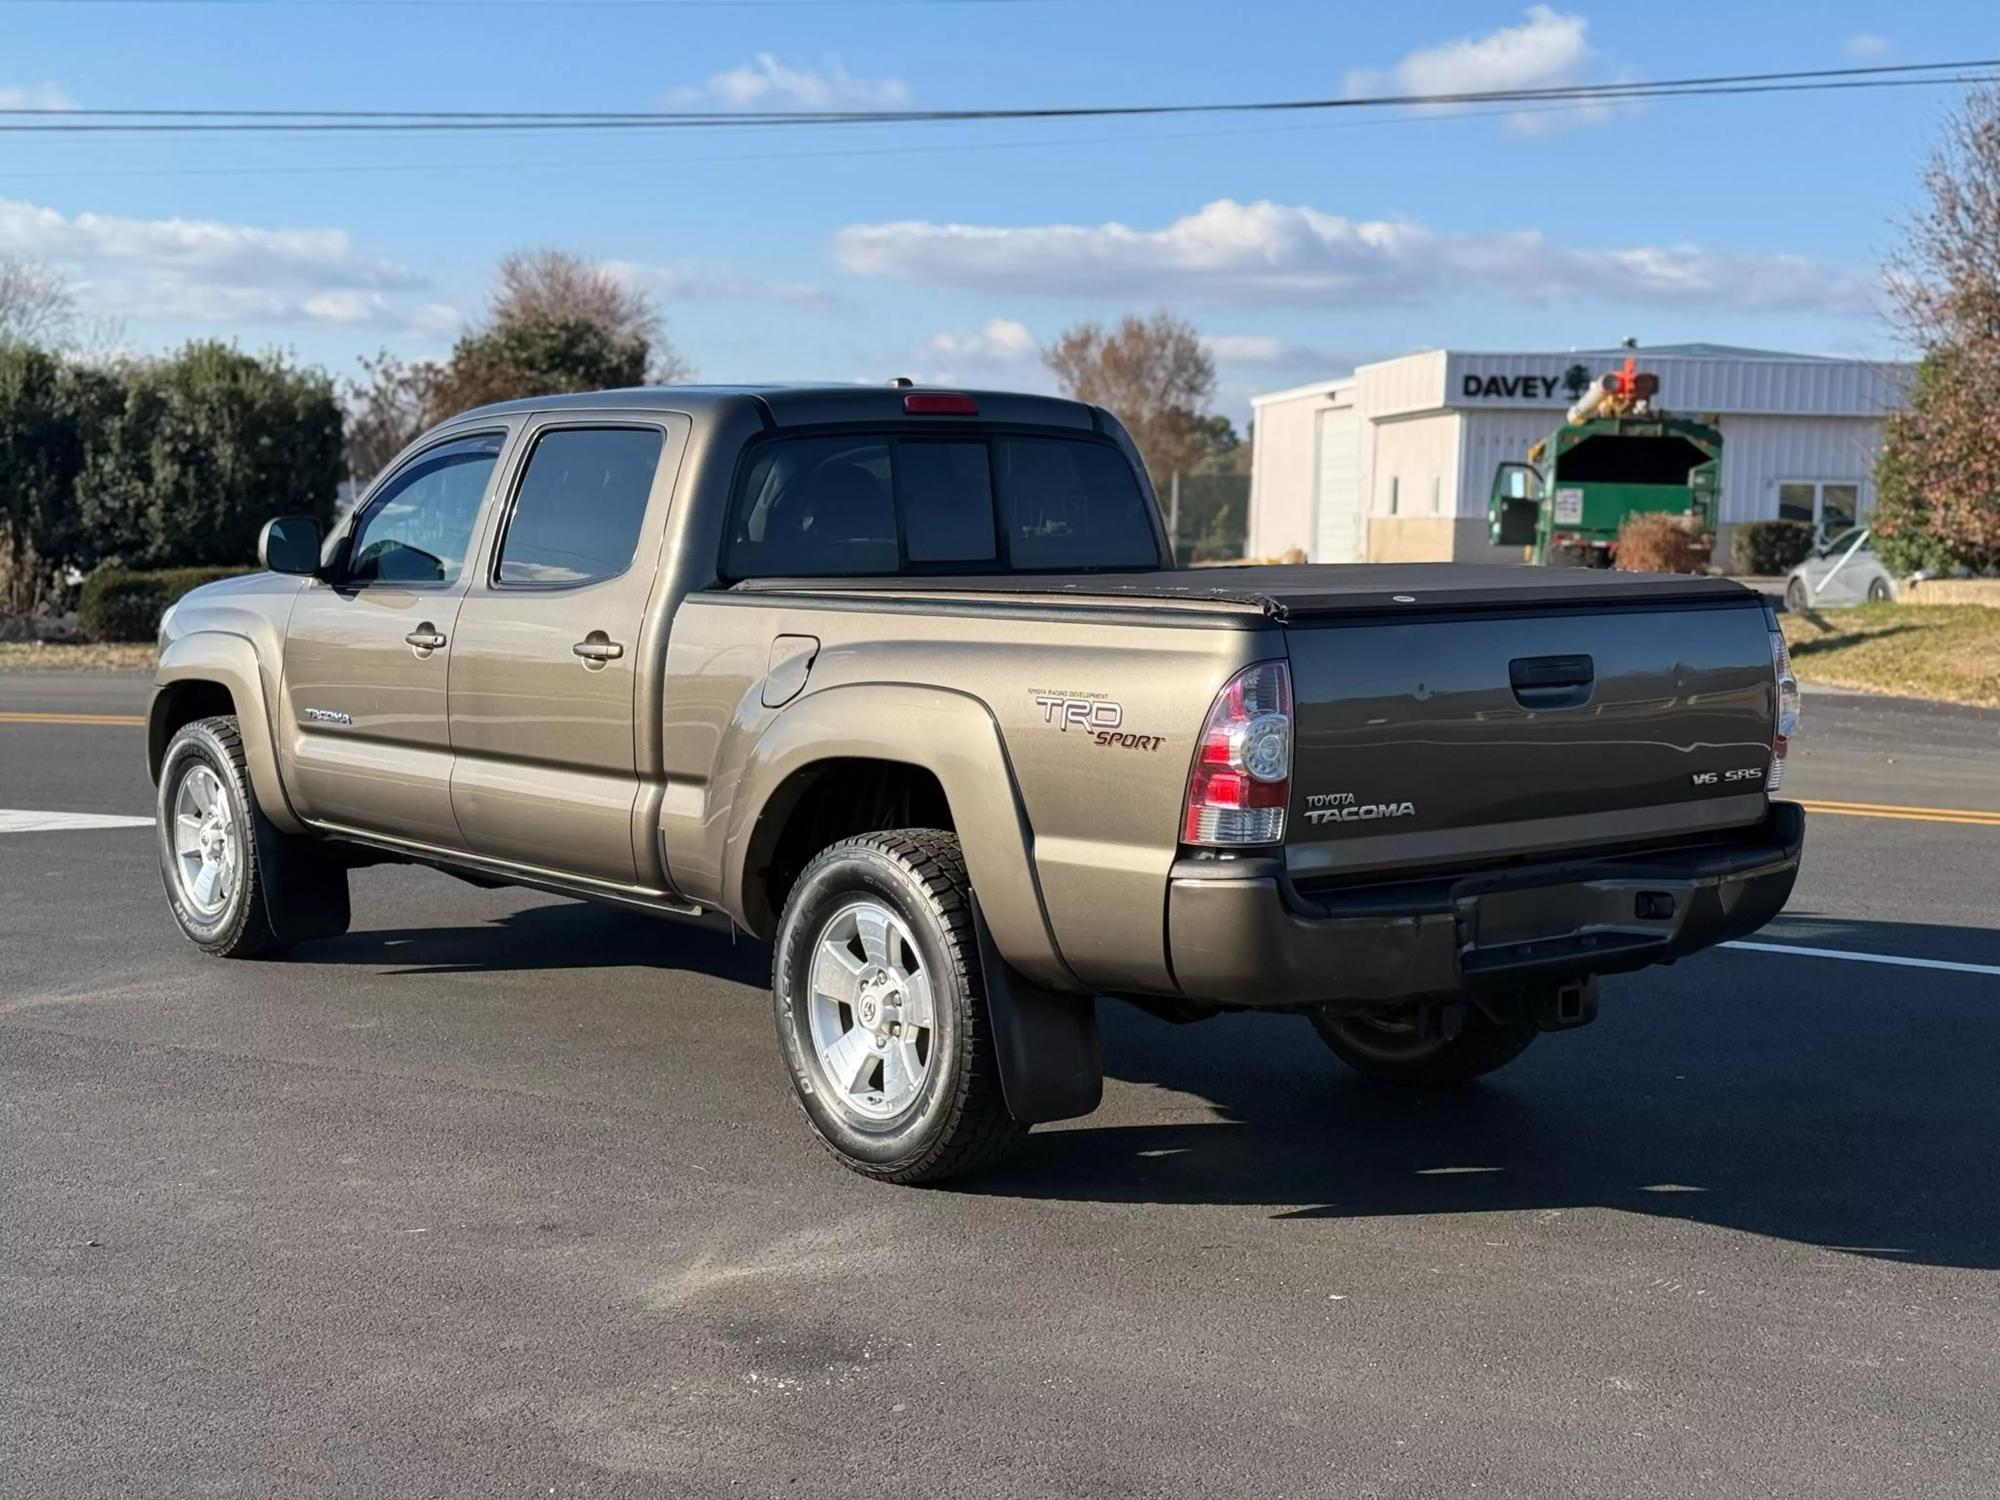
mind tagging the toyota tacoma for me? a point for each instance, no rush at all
(906, 682)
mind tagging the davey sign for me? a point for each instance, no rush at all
(1530, 386)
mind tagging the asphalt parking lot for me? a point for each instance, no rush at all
(502, 1194)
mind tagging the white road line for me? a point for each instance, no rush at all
(1869, 958)
(16, 820)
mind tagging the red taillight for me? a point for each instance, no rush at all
(939, 404)
(1787, 721)
(1242, 776)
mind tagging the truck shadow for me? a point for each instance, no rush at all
(1851, 1106)
(1837, 1104)
(554, 936)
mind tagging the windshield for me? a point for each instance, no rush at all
(867, 504)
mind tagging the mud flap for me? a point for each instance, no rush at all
(305, 885)
(1051, 1066)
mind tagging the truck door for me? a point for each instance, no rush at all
(1514, 507)
(366, 655)
(547, 667)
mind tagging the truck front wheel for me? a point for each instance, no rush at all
(238, 887)
(882, 1012)
(1394, 1048)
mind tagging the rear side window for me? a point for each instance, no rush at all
(874, 504)
(580, 505)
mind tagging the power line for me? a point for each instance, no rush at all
(45, 119)
(517, 164)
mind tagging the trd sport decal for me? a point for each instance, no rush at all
(1101, 720)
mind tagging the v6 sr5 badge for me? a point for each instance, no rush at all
(1101, 721)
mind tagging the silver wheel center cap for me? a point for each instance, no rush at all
(878, 1008)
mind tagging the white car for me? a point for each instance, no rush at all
(1844, 570)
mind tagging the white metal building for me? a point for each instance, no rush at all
(1394, 462)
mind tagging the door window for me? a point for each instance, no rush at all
(580, 505)
(418, 528)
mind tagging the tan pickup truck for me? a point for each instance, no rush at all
(905, 682)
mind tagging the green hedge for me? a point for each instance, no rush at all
(125, 604)
(1763, 549)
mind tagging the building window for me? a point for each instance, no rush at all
(1435, 487)
(1395, 496)
(1829, 506)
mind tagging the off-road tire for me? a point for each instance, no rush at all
(1795, 596)
(288, 888)
(958, 1121)
(1390, 1050)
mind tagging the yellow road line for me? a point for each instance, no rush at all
(14, 718)
(1969, 816)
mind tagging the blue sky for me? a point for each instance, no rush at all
(1297, 245)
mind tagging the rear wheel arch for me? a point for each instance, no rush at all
(821, 803)
(942, 748)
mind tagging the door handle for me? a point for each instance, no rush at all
(426, 637)
(1551, 681)
(597, 648)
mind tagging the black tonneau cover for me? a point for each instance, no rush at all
(1300, 591)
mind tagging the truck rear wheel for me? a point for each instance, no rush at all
(881, 1010)
(237, 887)
(1392, 1048)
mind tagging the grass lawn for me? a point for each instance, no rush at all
(39, 656)
(1948, 651)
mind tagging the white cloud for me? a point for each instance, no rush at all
(1865, 45)
(1273, 254)
(1546, 50)
(767, 83)
(998, 341)
(1001, 351)
(692, 281)
(34, 96)
(203, 270)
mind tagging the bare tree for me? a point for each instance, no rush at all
(1938, 481)
(387, 408)
(559, 285)
(36, 305)
(1945, 282)
(1152, 374)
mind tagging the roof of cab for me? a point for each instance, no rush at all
(806, 405)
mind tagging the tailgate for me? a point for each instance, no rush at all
(1458, 739)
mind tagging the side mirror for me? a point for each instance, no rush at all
(290, 544)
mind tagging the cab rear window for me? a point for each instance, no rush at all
(868, 504)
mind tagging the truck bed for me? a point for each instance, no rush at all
(1302, 591)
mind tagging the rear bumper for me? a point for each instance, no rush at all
(1241, 934)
